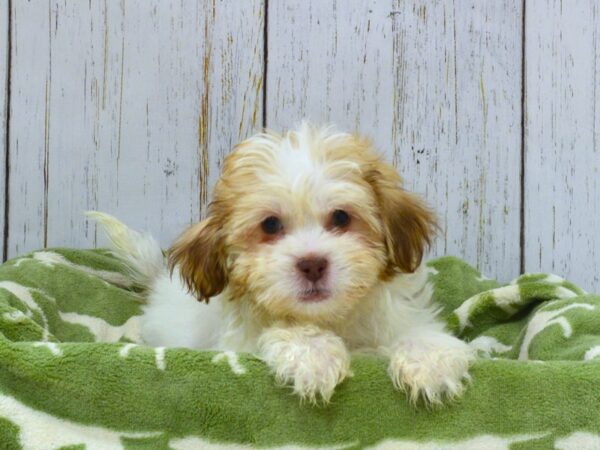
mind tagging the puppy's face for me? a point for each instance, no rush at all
(304, 226)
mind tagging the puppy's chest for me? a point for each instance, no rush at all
(383, 321)
(365, 331)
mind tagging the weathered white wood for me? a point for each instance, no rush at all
(126, 107)
(562, 186)
(3, 116)
(457, 124)
(331, 61)
(437, 85)
(130, 106)
(28, 145)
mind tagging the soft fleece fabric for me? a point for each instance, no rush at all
(73, 374)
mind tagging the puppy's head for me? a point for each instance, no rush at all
(304, 226)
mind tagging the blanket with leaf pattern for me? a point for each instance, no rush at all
(74, 374)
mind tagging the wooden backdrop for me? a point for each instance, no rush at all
(487, 108)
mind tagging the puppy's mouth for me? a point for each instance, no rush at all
(314, 294)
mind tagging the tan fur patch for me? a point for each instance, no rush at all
(200, 255)
(301, 178)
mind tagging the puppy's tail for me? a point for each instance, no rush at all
(140, 252)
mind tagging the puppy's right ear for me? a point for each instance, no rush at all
(199, 254)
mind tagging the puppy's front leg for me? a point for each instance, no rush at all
(429, 363)
(311, 360)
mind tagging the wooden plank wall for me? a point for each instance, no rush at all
(438, 87)
(487, 108)
(562, 157)
(126, 107)
(4, 66)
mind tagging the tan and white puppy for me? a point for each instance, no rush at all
(311, 250)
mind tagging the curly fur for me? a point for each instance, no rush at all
(373, 294)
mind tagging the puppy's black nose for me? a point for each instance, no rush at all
(312, 268)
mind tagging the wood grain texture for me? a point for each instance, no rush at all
(457, 130)
(331, 62)
(126, 107)
(437, 85)
(28, 144)
(562, 212)
(4, 68)
(130, 106)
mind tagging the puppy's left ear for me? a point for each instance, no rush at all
(199, 254)
(409, 225)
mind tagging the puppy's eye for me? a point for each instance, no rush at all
(340, 218)
(271, 225)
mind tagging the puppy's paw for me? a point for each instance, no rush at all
(310, 360)
(433, 368)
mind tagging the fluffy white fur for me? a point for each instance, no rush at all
(307, 344)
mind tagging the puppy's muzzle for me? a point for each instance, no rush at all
(313, 268)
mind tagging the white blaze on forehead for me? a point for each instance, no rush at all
(297, 169)
(324, 182)
(292, 162)
(297, 180)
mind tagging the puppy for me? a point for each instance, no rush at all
(311, 250)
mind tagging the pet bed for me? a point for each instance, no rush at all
(74, 375)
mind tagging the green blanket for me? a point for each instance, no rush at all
(74, 375)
